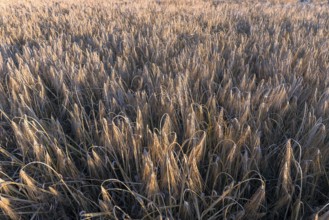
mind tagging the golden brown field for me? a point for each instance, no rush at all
(164, 110)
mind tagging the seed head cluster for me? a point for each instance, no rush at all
(145, 109)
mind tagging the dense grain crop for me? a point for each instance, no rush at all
(164, 110)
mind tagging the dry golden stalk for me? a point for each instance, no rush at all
(5, 206)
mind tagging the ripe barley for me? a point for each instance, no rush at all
(170, 109)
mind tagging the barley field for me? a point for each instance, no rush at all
(164, 109)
